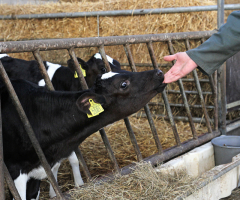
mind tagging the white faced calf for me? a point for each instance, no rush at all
(61, 121)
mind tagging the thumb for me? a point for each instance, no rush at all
(170, 57)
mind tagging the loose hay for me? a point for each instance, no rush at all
(143, 183)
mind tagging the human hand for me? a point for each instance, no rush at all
(184, 65)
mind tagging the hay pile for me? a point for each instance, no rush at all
(143, 183)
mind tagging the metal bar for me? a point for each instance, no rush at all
(126, 120)
(168, 153)
(122, 12)
(77, 68)
(11, 184)
(102, 132)
(43, 69)
(221, 77)
(214, 85)
(167, 105)
(30, 132)
(198, 86)
(179, 118)
(179, 105)
(83, 164)
(211, 81)
(57, 44)
(148, 64)
(50, 87)
(191, 80)
(104, 57)
(215, 97)
(133, 140)
(2, 193)
(146, 108)
(220, 13)
(184, 97)
(98, 25)
(187, 92)
(109, 150)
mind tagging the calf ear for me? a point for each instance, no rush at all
(83, 101)
(70, 63)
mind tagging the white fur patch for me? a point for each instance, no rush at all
(3, 55)
(52, 68)
(37, 173)
(21, 184)
(108, 75)
(98, 56)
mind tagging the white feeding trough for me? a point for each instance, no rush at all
(216, 181)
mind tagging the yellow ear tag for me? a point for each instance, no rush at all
(83, 72)
(95, 108)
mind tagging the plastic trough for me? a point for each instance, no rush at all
(216, 181)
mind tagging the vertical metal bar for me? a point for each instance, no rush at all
(220, 13)
(214, 85)
(221, 78)
(146, 108)
(50, 87)
(30, 132)
(102, 132)
(184, 97)
(126, 120)
(109, 149)
(43, 70)
(215, 96)
(133, 139)
(167, 105)
(77, 68)
(11, 184)
(98, 24)
(83, 164)
(2, 193)
(198, 86)
(104, 57)
(211, 81)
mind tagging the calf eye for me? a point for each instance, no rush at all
(123, 85)
(103, 70)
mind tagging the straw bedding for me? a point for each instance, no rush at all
(93, 148)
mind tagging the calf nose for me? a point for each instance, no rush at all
(159, 73)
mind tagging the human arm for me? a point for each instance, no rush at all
(211, 54)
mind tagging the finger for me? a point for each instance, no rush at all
(170, 57)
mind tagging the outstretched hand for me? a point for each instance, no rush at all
(184, 65)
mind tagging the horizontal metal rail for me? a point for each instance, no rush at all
(57, 44)
(178, 105)
(187, 92)
(122, 12)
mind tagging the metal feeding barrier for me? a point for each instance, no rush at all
(35, 46)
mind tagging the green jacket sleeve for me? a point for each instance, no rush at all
(210, 55)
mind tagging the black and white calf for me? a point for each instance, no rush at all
(60, 121)
(62, 78)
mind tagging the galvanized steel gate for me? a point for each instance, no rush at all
(70, 44)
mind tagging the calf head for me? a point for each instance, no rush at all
(122, 94)
(95, 66)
